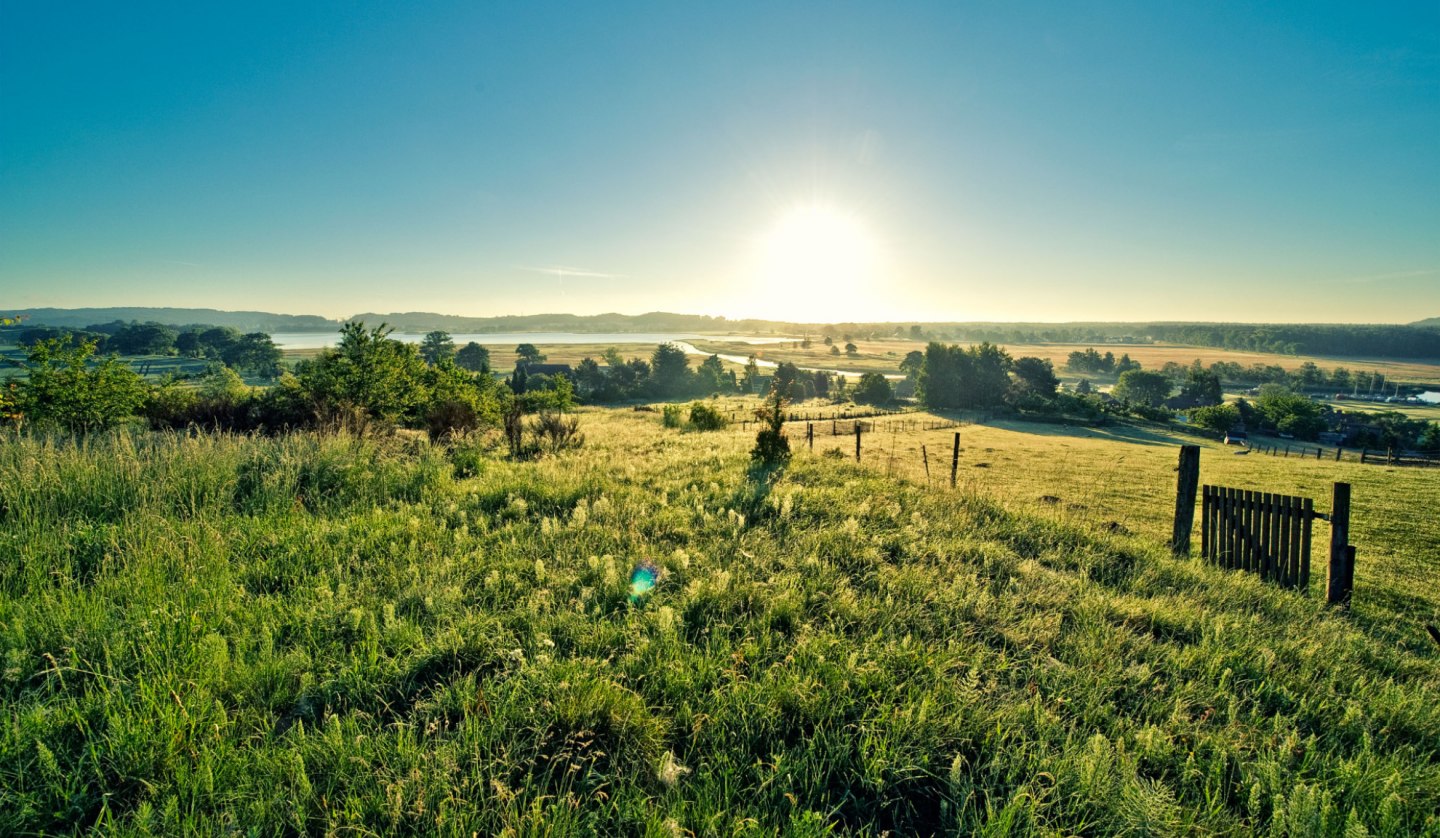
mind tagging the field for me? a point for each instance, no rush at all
(885, 356)
(324, 634)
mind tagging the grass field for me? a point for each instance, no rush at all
(322, 634)
(885, 356)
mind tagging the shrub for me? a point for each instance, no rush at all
(670, 416)
(771, 447)
(706, 418)
(557, 432)
(63, 390)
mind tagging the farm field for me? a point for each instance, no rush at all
(885, 356)
(327, 634)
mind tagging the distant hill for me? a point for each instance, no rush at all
(245, 321)
(1428, 323)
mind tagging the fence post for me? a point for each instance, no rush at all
(810, 434)
(1340, 581)
(1185, 486)
(1337, 453)
(857, 440)
(955, 460)
(925, 456)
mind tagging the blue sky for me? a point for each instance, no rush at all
(1098, 161)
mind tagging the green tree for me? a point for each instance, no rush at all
(873, 388)
(437, 346)
(143, 339)
(711, 377)
(1035, 377)
(752, 375)
(1143, 387)
(1290, 412)
(1201, 386)
(851, 350)
(834, 350)
(368, 372)
(771, 447)
(670, 371)
(528, 354)
(473, 357)
(914, 360)
(254, 353)
(1219, 417)
(64, 390)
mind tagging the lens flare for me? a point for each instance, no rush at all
(642, 579)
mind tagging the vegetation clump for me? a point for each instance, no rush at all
(771, 447)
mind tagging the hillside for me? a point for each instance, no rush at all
(1428, 323)
(321, 634)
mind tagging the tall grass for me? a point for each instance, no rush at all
(323, 634)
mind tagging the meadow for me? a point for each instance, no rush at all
(885, 356)
(307, 634)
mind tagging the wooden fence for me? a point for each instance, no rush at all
(1259, 532)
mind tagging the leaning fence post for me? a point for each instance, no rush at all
(1340, 581)
(955, 460)
(1185, 486)
(925, 456)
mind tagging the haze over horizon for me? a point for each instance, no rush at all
(820, 162)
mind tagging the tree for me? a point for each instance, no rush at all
(829, 341)
(1201, 386)
(1290, 412)
(851, 349)
(1219, 418)
(1084, 388)
(752, 375)
(1035, 377)
(670, 371)
(771, 447)
(1143, 387)
(711, 377)
(834, 350)
(873, 388)
(62, 390)
(437, 346)
(473, 357)
(528, 354)
(255, 353)
(368, 372)
(786, 377)
(914, 360)
(143, 339)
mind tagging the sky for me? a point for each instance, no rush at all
(1274, 162)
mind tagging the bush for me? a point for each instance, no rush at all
(771, 447)
(706, 418)
(873, 389)
(557, 432)
(670, 416)
(64, 391)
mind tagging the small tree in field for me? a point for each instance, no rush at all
(63, 391)
(771, 446)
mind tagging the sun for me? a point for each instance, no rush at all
(816, 262)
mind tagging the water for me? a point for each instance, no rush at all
(321, 340)
(1430, 397)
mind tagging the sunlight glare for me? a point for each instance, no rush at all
(816, 262)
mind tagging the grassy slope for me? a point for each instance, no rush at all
(318, 634)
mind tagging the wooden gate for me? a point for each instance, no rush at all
(1259, 532)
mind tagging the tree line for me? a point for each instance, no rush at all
(252, 352)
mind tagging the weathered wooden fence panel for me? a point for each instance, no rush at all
(1258, 532)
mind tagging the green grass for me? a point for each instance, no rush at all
(303, 635)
